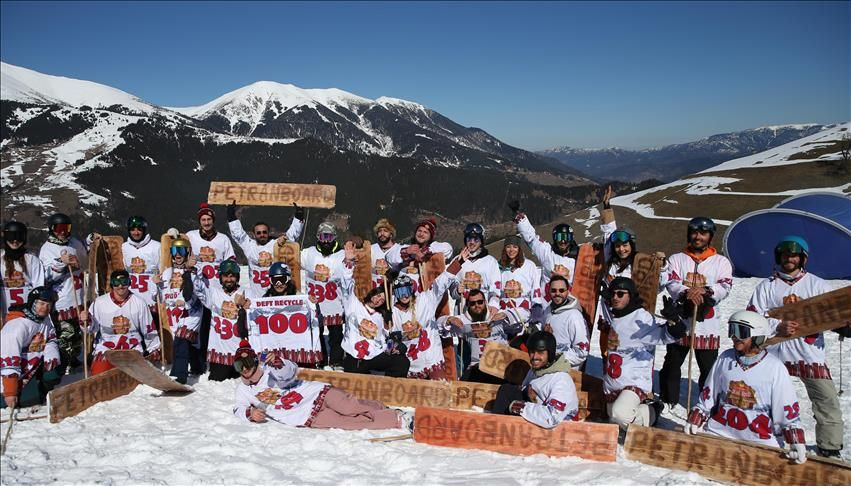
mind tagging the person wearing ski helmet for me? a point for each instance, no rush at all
(260, 250)
(20, 270)
(141, 256)
(29, 351)
(547, 396)
(805, 355)
(698, 277)
(479, 269)
(227, 303)
(64, 257)
(760, 397)
(556, 258)
(634, 334)
(120, 319)
(281, 281)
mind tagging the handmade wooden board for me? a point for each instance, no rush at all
(645, 273)
(395, 392)
(431, 270)
(514, 435)
(512, 365)
(290, 253)
(98, 269)
(729, 461)
(817, 314)
(165, 250)
(135, 365)
(586, 280)
(69, 400)
(363, 270)
(116, 255)
(272, 194)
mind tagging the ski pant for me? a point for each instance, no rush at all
(628, 409)
(474, 374)
(826, 410)
(341, 410)
(394, 365)
(334, 349)
(186, 357)
(222, 372)
(669, 375)
(36, 389)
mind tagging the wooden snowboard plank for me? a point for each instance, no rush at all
(817, 314)
(586, 280)
(395, 392)
(290, 253)
(363, 270)
(69, 400)
(645, 273)
(729, 461)
(135, 365)
(116, 255)
(514, 435)
(98, 269)
(272, 194)
(512, 365)
(432, 269)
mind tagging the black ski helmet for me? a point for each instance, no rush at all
(621, 283)
(15, 231)
(474, 230)
(137, 222)
(279, 270)
(57, 218)
(701, 223)
(542, 341)
(562, 232)
(40, 293)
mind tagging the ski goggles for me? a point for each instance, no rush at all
(327, 237)
(179, 250)
(62, 228)
(792, 247)
(137, 222)
(401, 292)
(15, 236)
(620, 236)
(738, 331)
(279, 279)
(245, 363)
(119, 281)
(559, 237)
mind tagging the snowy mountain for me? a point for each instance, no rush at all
(672, 161)
(97, 153)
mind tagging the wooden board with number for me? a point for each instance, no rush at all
(512, 365)
(514, 435)
(645, 274)
(272, 194)
(728, 460)
(363, 270)
(586, 280)
(817, 314)
(69, 400)
(290, 253)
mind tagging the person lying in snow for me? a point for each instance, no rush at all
(271, 390)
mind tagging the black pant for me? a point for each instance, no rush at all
(186, 357)
(395, 365)
(506, 394)
(669, 376)
(335, 339)
(474, 374)
(222, 372)
(206, 317)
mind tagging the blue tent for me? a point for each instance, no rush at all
(821, 218)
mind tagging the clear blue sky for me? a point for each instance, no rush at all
(535, 75)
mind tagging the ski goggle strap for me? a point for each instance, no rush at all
(327, 237)
(179, 250)
(739, 331)
(62, 228)
(790, 247)
(405, 291)
(620, 236)
(119, 280)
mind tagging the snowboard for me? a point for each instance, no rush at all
(586, 281)
(142, 370)
(645, 274)
(290, 253)
(69, 400)
(363, 270)
(816, 314)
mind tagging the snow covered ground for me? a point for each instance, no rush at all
(146, 438)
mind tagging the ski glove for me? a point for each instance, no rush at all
(232, 211)
(672, 310)
(299, 212)
(516, 407)
(696, 419)
(797, 453)
(797, 444)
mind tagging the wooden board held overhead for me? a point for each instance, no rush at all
(729, 460)
(363, 269)
(514, 435)
(272, 194)
(69, 400)
(817, 314)
(586, 280)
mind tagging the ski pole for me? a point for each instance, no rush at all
(691, 346)
(85, 331)
(841, 338)
(9, 430)
(304, 227)
(160, 329)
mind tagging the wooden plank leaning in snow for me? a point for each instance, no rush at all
(406, 392)
(728, 460)
(817, 314)
(69, 400)
(134, 364)
(512, 365)
(514, 435)
(272, 194)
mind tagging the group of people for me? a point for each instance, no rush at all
(261, 333)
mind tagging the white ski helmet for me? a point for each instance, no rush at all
(757, 326)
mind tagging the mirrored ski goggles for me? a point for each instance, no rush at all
(137, 223)
(327, 237)
(245, 363)
(738, 331)
(179, 250)
(120, 280)
(279, 279)
(562, 237)
(401, 292)
(790, 247)
(62, 228)
(620, 237)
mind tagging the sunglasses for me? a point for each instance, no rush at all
(620, 293)
(121, 281)
(739, 331)
(327, 237)
(557, 290)
(179, 250)
(475, 302)
(620, 237)
(258, 232)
